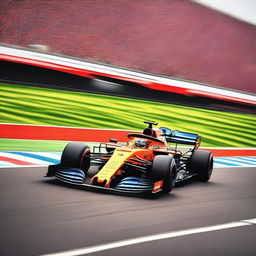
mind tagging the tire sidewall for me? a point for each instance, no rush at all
(201, 162)
(76, 155)
(164, 168)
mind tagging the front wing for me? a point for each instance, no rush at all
(134, 185)
(77, 177)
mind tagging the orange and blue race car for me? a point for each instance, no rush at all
(149, 162)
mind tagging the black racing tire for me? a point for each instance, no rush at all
(76, 155)
(164, 168)
(201, 162)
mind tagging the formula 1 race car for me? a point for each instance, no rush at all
(145, 164)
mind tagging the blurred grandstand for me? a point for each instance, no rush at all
(175, 38)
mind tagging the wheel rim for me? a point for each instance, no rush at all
(173, 176)
(210, 166)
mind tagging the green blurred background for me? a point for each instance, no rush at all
(34, 105)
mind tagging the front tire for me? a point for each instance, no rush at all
(164, 168)
(76, 155)
(201, 162)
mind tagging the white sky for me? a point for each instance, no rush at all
(242, 9)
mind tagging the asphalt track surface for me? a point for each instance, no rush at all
(39, 215)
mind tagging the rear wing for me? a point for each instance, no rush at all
(181, 137)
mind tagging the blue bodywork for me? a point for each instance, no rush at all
(71, 175)
(134, 184)
(128, 184)
(179, 137)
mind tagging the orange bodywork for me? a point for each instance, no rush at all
(117, 160)
(129, 152)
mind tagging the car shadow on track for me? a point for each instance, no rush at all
(193, 183)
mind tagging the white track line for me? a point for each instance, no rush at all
(144, 239)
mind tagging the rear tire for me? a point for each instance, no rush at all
(76, 155)
(164, 168)
(201, 162)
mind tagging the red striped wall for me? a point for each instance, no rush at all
(36, 132)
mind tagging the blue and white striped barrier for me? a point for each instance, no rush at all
(14, 159)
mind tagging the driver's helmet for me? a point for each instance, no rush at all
(140, 143)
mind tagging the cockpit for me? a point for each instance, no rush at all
(140, 143)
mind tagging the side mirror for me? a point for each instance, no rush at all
(113, 140)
